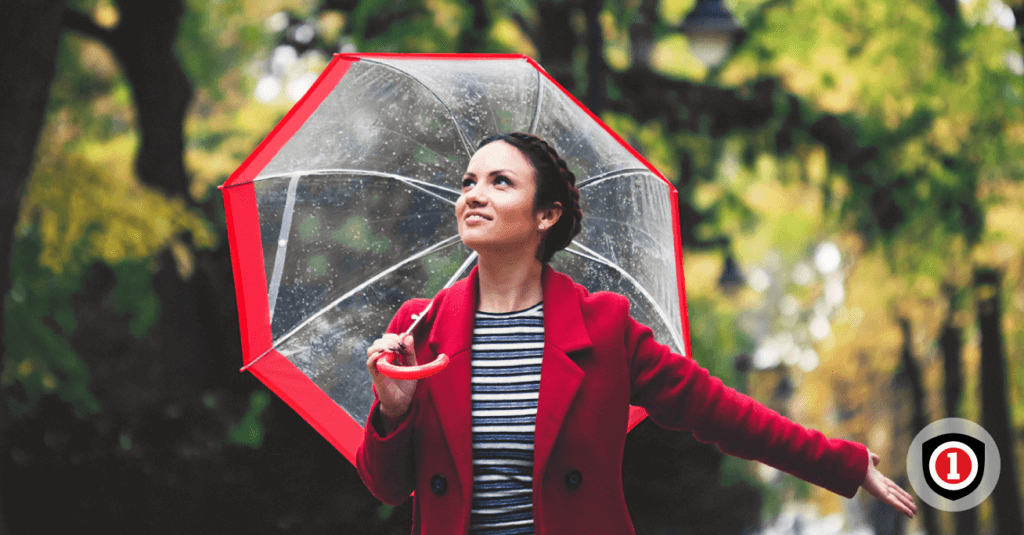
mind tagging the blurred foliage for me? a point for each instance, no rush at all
(714, 338)
(39, 309)
(894, 130)
(385, 511)
(403, 25)
(215, 38)
(930, 107)
(84, 206)
(86, 211)
(249, 432)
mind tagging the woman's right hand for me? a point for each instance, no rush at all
(395, 395)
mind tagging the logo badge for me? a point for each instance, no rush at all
(953, 464)
(956, 464)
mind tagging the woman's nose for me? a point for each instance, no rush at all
(476, 196)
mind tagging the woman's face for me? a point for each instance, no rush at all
(496, 212)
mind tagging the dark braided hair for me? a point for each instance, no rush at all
(555, 183)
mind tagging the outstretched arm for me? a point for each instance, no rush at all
(886, 490)
(679, 394)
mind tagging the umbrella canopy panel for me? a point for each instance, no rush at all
(354, 207)
(626, 247)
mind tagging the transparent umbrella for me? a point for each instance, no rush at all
(346, 210)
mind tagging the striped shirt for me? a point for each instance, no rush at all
(507, 351)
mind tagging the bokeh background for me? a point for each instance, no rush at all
(852, 210)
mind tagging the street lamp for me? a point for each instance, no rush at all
(299, 51)
(711, 31)
(731, 278)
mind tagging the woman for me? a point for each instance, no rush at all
(524, 431)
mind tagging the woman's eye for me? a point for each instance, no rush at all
(502, 179)
(467, 182)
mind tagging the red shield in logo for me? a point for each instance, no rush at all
(953, 464)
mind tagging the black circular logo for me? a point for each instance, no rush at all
(953, 464)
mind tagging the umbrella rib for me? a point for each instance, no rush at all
(418, 184)
(590, 181)
(536, 110)
(462, 135)
(437, 246)
(282, 243)
(593, 255)
(455, 276)
(462, 269)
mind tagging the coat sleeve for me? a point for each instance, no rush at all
(387, 463)
(679, 394)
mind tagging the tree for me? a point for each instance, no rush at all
(29, 47)
(995, 414)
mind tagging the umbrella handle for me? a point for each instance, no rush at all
(386, 364)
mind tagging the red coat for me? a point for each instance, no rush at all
(597, 361)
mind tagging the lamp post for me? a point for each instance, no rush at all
(296, 59)
(731, 279)
(711, 31)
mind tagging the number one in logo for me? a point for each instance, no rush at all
(953, 475)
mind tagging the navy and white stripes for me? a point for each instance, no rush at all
(507, 350)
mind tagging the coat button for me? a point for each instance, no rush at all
(439, 484)
(573, 479)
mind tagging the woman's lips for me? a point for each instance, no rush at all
(475, 217)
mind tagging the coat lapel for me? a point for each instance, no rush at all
(560, 377)
(449, 389)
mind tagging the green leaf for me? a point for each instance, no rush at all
(249, 432)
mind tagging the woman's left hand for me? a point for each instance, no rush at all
(886, 490)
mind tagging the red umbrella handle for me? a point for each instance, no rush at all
(386, 364)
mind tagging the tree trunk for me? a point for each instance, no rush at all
(556, 41)
(472, 39)
(995, 416)
(29, 37)
(641, 34)
(951, 344)
(595, 57)
(162, 91)
(143, 43)
(910, 375)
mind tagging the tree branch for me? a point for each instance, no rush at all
(82, 23)
(950, 7)
(345, 6)
(647, 95)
